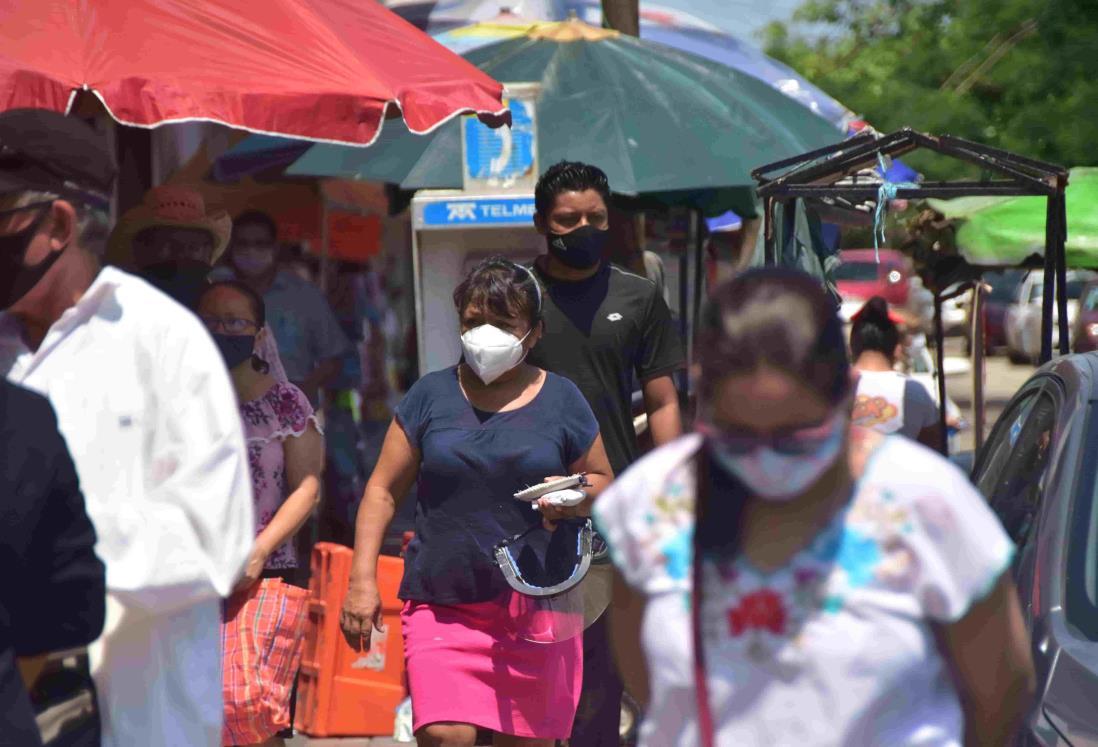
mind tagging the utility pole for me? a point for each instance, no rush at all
(622, 15)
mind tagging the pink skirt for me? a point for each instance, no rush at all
(465, 666)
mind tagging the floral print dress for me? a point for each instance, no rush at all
(282, 412)
(836, 647)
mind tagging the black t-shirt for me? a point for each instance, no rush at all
(601, 333)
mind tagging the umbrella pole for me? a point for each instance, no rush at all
(1061, 275)
(769, 249)
(134, 153)
(939, 343)
(699, 270)
(1050, 278)
(979, 332)
(324, 245)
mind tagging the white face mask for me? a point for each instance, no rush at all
(492, 352)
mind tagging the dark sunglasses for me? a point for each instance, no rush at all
(790, 441)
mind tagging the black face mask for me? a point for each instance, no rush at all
(182, 279)
(580, 249)
(16, 279)
(235, 349)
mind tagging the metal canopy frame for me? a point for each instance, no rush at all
(819, 174)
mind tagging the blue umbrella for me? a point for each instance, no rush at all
(256, 153)
(739, 55)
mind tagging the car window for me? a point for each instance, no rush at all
(996, 452)
(1014, 489)
(1082, 557)
(1036, 292)
(1090, 303)
(1003, 285)
(857, 272)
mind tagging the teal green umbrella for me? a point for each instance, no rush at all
(1006, 231)
(658, 121)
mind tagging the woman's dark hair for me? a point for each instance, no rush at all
(502, 287)
(568, 176)
(257, 218)
(774, 317)
(874, 330)
(259, 311)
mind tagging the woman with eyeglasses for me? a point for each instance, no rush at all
(473, 435)
(286, 459)
(785, 578)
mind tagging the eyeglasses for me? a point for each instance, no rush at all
(229, 325)
(790, 441)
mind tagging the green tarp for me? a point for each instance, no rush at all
(1007, 231)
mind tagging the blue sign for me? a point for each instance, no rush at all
(479, 211)
(504, 155)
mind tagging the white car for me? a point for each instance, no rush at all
(1022, 325)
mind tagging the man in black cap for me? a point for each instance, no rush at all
(146, 406)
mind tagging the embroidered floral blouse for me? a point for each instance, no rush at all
(835, 648)
(282, 412)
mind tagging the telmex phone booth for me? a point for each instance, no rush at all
(451, 232)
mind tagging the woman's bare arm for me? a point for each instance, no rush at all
(989, 652)
(396, 471)
(599, 474)
(304, 457)
(626, 615)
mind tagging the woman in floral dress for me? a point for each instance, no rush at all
(788, 579)
(286, 457)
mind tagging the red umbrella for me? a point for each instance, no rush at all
(318, 69)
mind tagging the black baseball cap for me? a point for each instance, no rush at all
(46, 151)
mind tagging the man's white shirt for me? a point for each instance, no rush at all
(149, 414)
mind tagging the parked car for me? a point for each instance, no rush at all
(1085, 337)
(1038, 470)
(860, 277)
(1023, 316)
(1004, 288)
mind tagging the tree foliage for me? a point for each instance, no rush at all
(1016, 74)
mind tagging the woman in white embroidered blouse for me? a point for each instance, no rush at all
(853, 588)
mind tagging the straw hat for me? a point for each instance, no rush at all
(172, 206)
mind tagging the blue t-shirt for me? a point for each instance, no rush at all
(473, 462)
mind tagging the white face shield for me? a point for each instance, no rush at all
(546, 571)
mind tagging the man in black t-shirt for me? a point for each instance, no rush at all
(604, 329)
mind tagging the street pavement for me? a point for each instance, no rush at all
(1002, 381)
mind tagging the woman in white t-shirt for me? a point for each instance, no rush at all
(888, 401)
(846, 587)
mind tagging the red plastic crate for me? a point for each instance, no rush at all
(340, 693)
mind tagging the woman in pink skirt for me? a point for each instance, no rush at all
(472, 436)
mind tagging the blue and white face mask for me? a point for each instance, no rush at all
(782, 468)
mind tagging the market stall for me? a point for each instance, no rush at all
(835, 177)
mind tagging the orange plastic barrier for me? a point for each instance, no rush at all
(340, 692)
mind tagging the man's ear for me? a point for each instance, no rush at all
(62, 224)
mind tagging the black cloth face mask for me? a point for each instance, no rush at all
(580, 249)
(16, 279)
(235, 349)
(182, 279)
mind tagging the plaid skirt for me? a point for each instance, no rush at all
(262, 635)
